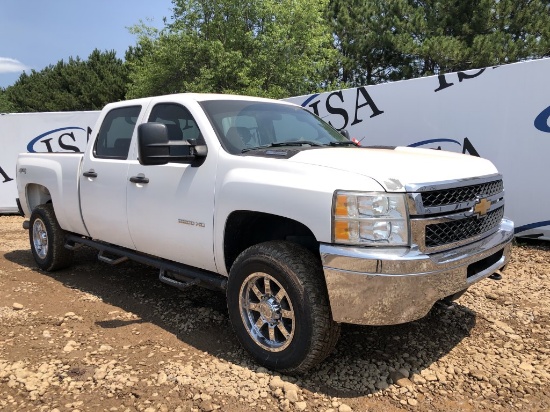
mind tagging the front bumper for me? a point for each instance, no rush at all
(387, 286)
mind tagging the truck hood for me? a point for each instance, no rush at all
(396, 168)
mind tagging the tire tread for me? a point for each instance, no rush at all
(302, 262)
(61, 257)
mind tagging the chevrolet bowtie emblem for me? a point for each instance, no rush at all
(481, 207)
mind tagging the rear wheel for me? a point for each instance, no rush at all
(278, 306)
(48, 240)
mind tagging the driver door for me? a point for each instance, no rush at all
(171, 215)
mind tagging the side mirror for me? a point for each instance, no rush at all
(154, 147)
(345, 133)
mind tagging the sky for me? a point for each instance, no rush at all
(37, 33)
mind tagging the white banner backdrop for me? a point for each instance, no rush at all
(38, 132)
(500, 113)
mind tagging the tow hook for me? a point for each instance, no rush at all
(496, 276)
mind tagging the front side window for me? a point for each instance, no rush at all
(115, 135)
(180, 124)
(241, 125)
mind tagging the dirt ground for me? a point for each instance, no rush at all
(100, 338)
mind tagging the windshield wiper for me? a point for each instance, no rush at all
(281, 144)
(343, 143)
(296, 143)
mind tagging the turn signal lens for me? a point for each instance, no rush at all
(346, 206)
(346, 230)
(341, 207)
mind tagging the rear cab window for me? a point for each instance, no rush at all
(115, 135)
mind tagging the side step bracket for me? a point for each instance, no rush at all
(72, 245)
(180, 284)
(111, 261)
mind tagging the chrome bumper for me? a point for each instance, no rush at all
(374, 286)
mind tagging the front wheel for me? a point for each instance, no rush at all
(279, 308)
(48, 240)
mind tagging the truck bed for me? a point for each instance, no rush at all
(60, 173)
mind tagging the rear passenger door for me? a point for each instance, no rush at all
(104, 178)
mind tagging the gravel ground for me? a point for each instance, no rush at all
(100, 338)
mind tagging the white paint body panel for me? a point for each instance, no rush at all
(403, 165)
(301, 192)
(103, 200)
(59, 174)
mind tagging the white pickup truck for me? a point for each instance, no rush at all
(301, 228)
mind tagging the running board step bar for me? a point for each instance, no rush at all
(111, 261)
(180, 284)
(181, 276)
(69, 244)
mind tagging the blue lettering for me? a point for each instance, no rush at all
(425, 142)
(5, 176)
(541, 121)
(30, 146)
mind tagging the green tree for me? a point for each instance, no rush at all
(5, 105)
(519, 30)
(438, 34)
(380, 41)
(272, 48)
(365, 32)
(448, 35)
(72, 85)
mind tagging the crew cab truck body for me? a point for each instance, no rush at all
(301, 228)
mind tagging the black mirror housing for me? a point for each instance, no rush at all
(345, 133)
(154, 147)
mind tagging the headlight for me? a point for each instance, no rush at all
(370, 219)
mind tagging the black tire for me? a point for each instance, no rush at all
(279, 308)
(48, 240)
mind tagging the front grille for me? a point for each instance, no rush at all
(461, 194)
(455, 231)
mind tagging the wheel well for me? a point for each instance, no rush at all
(37, 195)
(245, 228)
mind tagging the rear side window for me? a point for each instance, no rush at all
(115, 134)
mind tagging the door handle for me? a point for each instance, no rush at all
(90, 173)
(139, 179)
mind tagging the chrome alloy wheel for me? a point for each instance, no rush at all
(266, 311)
(40, 238)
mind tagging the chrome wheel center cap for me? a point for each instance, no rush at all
(270, 310)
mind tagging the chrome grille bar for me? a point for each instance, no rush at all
(443, 216)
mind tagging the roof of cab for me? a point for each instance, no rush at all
(198, 97)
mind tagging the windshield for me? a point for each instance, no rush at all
(243, 125)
